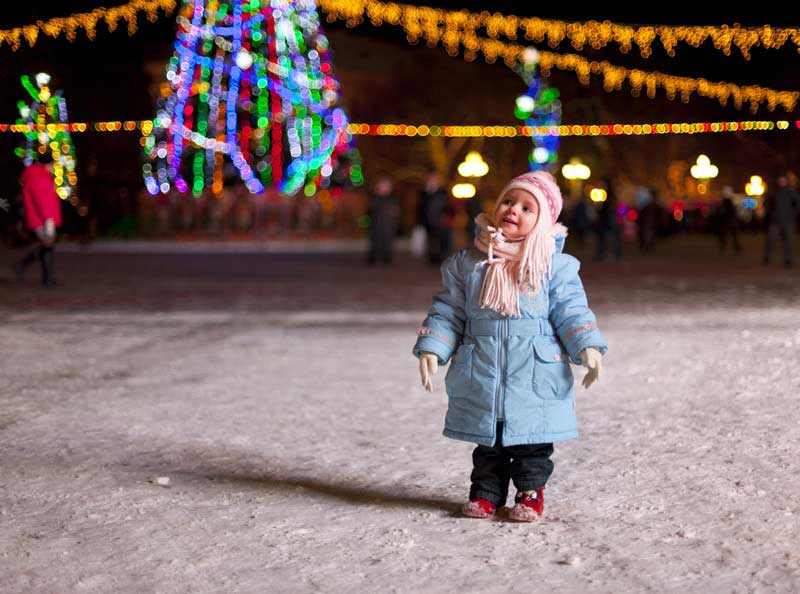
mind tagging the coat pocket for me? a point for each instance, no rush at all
(552, 375)
(458, 380)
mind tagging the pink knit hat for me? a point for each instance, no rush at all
(520, 265)
(542, 186)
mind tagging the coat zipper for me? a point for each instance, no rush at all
(501, 369)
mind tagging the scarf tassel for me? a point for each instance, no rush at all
(514, 268)
(500, 292)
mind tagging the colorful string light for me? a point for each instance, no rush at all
(251, 84)
(43, 123)
(87, 21)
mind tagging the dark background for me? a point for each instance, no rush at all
(384, 80)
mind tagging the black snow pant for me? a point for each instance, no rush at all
(528, 466)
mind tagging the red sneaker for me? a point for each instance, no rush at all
(528, 506)
(479, 508)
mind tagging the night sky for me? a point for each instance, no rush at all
(384, 80)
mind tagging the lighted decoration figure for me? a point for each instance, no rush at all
(46, 118)
(251, 84)
(539, 106)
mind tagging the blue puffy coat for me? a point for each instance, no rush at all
(514, 370)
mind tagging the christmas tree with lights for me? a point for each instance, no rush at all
(538, 107)
(47, 126)
(251, 90)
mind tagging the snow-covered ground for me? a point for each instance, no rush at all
(303, 456)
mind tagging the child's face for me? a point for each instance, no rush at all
(517, 213)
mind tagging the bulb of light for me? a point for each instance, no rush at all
(525, 103)
(244, 59)
(598, 195)
(541, 154)
(530, 55)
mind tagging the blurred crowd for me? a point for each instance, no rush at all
(423, 210)
(605, 225)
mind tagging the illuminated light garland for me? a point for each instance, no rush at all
(459, 31)
(488, 131)
(87, 21)
(469, 45)
(615, 76)
(250, 84)
(44, 124)
(653, 129)
(456, 28)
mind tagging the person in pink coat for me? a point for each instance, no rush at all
(42, 216)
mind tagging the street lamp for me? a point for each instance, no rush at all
(473, 165)
(703, 171)
(576, 172)
(756, 186)
(463, 191)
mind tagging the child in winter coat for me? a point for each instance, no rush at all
(511, 317)
(42, 217)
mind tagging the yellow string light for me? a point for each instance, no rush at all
(87, 21)
(423, 23)
(456, 31)
(674, 86)
(453, 27)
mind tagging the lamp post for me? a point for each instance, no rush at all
(576, 172)
(473, 166)
(703, 171)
